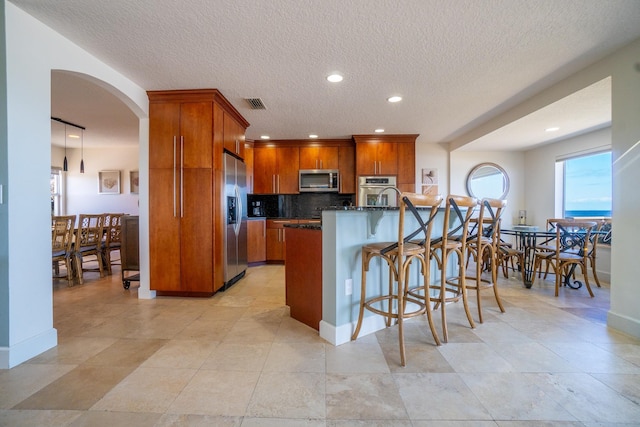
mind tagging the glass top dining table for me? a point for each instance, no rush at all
(527, 238)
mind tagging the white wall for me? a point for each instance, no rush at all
(512, 162)
(82, 189)
(540, 171)
(32, 52)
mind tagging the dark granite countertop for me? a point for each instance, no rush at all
(358, 208)
(312, 226)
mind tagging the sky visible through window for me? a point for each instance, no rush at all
(587, 182)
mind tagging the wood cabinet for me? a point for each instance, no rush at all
(276, 239)
(387, 155)
(233, 136)
(276, 169)
(376, 158)
(256, 240)
(186, 221)
(303, 276)
(248, 161)
(319, 157)
(347, 166)
(406, 167)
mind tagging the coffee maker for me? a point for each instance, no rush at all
(257, 208)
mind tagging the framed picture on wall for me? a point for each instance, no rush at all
(430, 181)
(109, 182)
(134, 181)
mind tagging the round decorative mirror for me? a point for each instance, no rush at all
(488, 180)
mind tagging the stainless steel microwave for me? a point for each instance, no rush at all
(319, 180)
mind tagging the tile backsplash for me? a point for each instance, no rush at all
(296, 205)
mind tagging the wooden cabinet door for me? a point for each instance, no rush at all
(406, 166)
(376, 158)
(233, 136)
(248, 161)
(196, 134)
(366, 158)
(347, 161)
(265, 168)
(257, 241)
(287, 170)
(387, 156)
(164, 231)
(275, 244)
(317, 157)
(196, 231)
(164, 131)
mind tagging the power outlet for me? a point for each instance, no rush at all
(348, 287)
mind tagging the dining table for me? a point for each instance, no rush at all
(527, 237)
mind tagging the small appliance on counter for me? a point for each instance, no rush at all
(256, 209)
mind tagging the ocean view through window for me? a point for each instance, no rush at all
(587, 186)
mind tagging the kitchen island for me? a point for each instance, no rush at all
(344, 231)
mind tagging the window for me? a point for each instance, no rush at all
(56, 190)
(587, 186)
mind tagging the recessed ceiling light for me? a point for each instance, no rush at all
(552, 129)
(395, 99)
(264, 137)
(313, 136)
(334, 78)
(379, 130)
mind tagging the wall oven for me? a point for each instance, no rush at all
(377, 191)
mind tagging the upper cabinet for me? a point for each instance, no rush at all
(376, 157)
(233, 136)
(387, 155)
(347, 162)
(318, 157)
(275, 169)
(180, 134)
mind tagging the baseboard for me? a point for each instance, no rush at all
(624, 324)
(342, 334)
(25, 350)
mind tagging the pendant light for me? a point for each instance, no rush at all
(82, 150)
(65, 166)
(82, 128)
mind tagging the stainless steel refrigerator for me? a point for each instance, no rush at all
(235, 239)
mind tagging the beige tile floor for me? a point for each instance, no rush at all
(237, 359)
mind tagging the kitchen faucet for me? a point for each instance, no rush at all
(390, 187)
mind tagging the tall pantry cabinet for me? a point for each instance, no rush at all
(185, 190)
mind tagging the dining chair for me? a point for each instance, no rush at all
(62, 228)
(111, 240)
(396, 304)
(603, 229)
(572, 250)
(482, 246)
(453, 242)
(88, 242)
(548, 245)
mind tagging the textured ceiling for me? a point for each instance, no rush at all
(455, 63)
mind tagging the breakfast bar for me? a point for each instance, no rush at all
(344, 231)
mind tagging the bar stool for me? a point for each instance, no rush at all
(399, 255)
(453, 241)
(482, 245)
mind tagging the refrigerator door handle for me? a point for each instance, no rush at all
(236, 227)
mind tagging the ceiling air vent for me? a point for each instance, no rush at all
(256, 104)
